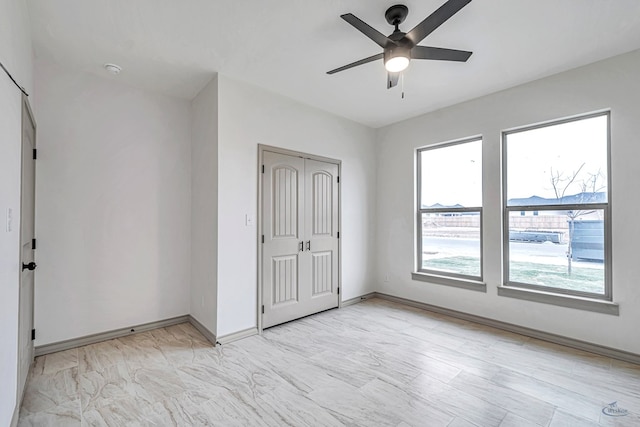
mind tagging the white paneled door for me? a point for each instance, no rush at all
(300, 225)
(27, 222)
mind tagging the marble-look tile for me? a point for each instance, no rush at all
(629, 420)
(293, 338)
(125, 412)
(307, 376)
(565, 419)
(348, 369)
(99, 356)
(632, 370)
(52, 363)
(388, 364)
(287, 407)
(64, 415)
(597, 387)
(560, 397)
(512, 420)
(527, 407)
(141, 351)
(372, 364)
(461, 422)
(242, 377)
(47, 391)
(523, 359)
(349, 406)
(469, 363)
(571, 355)
(614, 380)
(469, 407)
(406, 407)
(479, 334)
(229, 409)
(115, 383)
(158, 383)
(434, 336)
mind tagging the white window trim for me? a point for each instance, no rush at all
(546, 294)
(436, 276)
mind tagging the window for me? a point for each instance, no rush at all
(449, 217)
(557, 175)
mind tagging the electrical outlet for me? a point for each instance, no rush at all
(386, 277)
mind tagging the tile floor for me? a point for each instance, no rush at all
(372, 364)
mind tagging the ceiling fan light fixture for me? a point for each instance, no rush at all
(397, 59)
(396, 64)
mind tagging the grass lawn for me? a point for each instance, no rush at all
(581, 279)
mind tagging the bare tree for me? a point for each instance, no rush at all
(589, 189)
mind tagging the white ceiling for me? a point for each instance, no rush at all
(286, 46)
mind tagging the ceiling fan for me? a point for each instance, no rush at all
(399, 47)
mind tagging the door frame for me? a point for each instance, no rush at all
(25, 106)
(261, 149)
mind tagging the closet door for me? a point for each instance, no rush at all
(300, 249)
(321, 235)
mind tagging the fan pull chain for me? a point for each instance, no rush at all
(402, 83)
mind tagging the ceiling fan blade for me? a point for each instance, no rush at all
(439, 54)
(437, 18)
(392, 79)
(355, 64)
(367, 30)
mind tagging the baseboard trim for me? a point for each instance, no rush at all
(210, 336)
(357, 300)
(104, 336)
(522, 330)
(16, 414)
(229, 338)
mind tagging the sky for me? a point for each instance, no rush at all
(453, 175)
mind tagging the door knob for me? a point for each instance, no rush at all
(31, 266)
(308, 245)
(301, 246)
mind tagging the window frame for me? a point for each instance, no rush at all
(419, 211)
(605, 207)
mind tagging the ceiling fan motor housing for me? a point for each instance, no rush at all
(396, 14)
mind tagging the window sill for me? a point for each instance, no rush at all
(473, 285)
(578, 303)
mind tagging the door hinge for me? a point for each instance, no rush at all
(263, 309)
(338, 234)
(262, 168)
(33, 334)
(338, 180)
(35, 154)
(33, 244)
(338, 290)
(263, 238)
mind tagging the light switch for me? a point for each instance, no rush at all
(249, 220)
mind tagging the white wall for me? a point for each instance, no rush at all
(16, 55)
(249, 116)
(204, 206)
(113, 213)
(611, 84)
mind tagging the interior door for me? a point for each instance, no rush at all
(321, 234)
(300, 249)
(27, 221)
